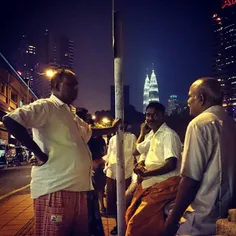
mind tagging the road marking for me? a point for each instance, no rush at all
(14, 191)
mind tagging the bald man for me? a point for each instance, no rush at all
(208, 165)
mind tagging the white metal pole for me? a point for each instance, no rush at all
(119, 112)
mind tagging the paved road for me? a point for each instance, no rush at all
(14, 178)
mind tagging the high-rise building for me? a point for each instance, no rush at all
(146, 93)
(153, 90)
(173, 105)
(54, 51)
(112, 98)
(150, 91)
(224, 52)
(61, 51)
(27, 59)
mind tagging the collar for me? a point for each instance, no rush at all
(162, 128)
(214, 109)
(56, 100)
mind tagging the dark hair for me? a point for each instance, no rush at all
(57, 78)
(158, 106)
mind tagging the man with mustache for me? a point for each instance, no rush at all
(160, 173)
(209, 164)
(61, 175)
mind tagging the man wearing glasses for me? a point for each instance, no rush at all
(61, 174)
(160, 173)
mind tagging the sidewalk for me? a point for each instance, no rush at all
(16, 217)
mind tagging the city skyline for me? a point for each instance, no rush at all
(153, 32)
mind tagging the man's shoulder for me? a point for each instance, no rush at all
(169, 131)
(131, 135)
(204, 119)
(112, 138)
(42, 101)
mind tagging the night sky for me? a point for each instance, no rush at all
(175, 35)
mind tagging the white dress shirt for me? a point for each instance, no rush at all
(63, 137)
(164, 144)
(209, 157)
(129, 147)
(142, 148)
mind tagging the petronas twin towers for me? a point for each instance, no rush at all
(150, 91)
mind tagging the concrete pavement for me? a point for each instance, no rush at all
(16, 217)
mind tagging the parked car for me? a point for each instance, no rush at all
(2, 154)
(10, 155)
(21, 154)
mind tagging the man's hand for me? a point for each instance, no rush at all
(140, 169)
(38, 160)
(144, 129)
(139, 165)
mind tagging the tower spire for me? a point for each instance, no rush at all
(153, 91)
(146, 92)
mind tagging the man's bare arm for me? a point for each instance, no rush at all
(187, 191)
(22, 135)
(144, 130)
(168, 166)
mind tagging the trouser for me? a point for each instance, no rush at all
(111, 194)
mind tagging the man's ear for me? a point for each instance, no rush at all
(202, 99)
(57, 86)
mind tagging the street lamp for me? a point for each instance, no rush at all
(93, 117)
(49, 73)
(105, 120)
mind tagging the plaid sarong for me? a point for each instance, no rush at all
(62, 213)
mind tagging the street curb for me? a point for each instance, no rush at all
(13, 192)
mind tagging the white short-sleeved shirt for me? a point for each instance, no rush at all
(209, 156)
(63, 137)
(164, 144)
(142, 148)
(129, 147)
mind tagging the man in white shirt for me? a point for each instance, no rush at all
(129, 146)
(160, 171)
(61, 174)
(209, 164)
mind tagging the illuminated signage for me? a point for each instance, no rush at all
(228, 3)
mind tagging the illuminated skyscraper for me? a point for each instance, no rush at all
(146, 93)
(153, 90)
(224, 52)
(150, 91)
(173, 105)
(54, 51)
(26, 59)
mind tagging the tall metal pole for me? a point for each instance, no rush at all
(119, 112)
